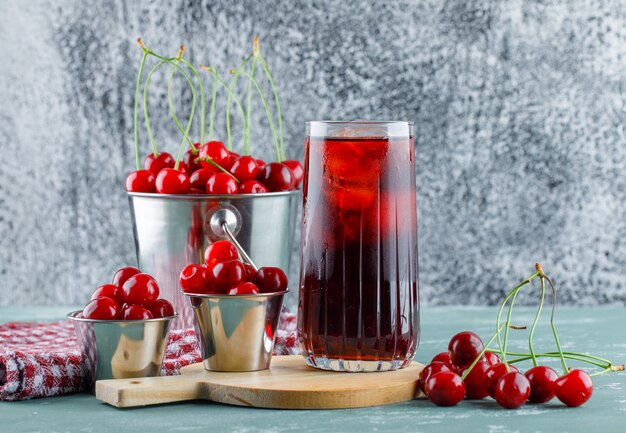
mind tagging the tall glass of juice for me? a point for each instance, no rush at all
(358, 306)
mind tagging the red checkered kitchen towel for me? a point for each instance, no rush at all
(43, 359)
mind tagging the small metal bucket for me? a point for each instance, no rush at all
(172, 231)
(237, 333)
(118, 349)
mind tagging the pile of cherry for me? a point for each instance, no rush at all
(222, 273)
(132, 295)
(213, 169)
(448, 378)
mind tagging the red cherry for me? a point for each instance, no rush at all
(574, 388)
(136, 312)
(445, 388)
(250, 272)
(220, 251)
(109, 291)
(189, 160)
(270, 279)
(464, 347)
(476, 381)
(199, 178)
(493, 375)
(221, 183)
(443, 357)
(261, 164)
(244, 289)
(226, 275)
(193, 279)
(245, 168)
(123, 274)
(253, 187)
(140, 181)
(195, 191)
(140, 289)
(216, 152)
(277, 177)
(161, 308)
(170, 181)
(297, 170)
(512, 390)
(158, 163)
(101, 309)
(491, 358)
(432, 368)
(541, 380)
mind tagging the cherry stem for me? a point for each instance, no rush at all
(552, 354)
(266, 69)
(212, 113)
(136, 108)
(216, 165)
(145, 103)
(249, 104)
(202, 101)
(534, 325)
(556, 337)
(231, 88)
(507, 324)
(221, 82)
(267, 112)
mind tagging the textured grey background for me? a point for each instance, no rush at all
(519, 109)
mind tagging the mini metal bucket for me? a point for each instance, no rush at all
(237, 332)
(172, 231)
(119, 349)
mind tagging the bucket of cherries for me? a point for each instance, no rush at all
(172, 197)
(472, 369)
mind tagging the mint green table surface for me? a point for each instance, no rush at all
(601, 331)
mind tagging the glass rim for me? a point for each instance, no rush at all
(359, 122)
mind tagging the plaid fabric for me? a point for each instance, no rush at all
(43, 359)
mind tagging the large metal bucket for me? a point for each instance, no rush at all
(172, 231)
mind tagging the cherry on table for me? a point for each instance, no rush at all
(220, 251)
(252, 187)
(221, 183)
(161, 308)
(216, 152)
(193, 279)
(157, 163)
(136, 312)
(443, 357)
(140, 181)
(574, 388)
(296, 169)
(101, 309)
(512, 390)
(445, 388)
(270, 279)
(246, 288)
(109, 291)
(123, 274)
(199, 178)
(433, 368)
(541, 380)
(277, 177)
(464, 347)
(245, 168)
(140, 289)
(493, 375)
(226, 275)
(476, 381)
(170, 181)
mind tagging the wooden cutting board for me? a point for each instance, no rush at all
(288, 384)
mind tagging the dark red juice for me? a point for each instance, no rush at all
(358, 285)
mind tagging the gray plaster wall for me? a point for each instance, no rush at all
(518, 105)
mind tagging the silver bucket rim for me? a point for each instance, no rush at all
(73, 314)
(192, 197)
(226, 296)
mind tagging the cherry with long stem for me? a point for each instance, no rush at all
(144, 56)
(268, 74)
(231, 87)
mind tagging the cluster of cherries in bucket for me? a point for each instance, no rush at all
(442, 382)
(222, 273)
(213, 169)
(132, 295)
